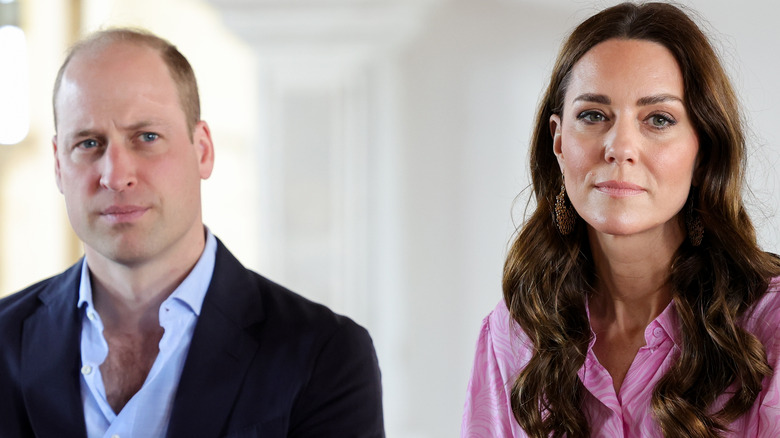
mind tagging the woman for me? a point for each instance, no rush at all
(636, 299)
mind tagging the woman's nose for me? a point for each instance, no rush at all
(622, 142)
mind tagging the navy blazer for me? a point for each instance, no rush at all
(263, 362)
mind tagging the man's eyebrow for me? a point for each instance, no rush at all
(656, 99)
(140, 125)
(87, 133)
(594, 98)
(95, 133)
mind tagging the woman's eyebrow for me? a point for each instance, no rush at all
(595, 98)
(656, 99)
(642, 101)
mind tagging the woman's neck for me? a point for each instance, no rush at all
(632, 277)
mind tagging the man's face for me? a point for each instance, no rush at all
(124, 159)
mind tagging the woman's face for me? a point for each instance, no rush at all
(624, 141)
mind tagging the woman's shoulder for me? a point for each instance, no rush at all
(768, 306)
(507, 341)
(499, 358)
(763, 318)
(498, 321)
(501, 326)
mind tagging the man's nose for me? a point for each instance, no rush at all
(118, 168)
(622, 143)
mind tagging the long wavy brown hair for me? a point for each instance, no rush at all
(547, 276)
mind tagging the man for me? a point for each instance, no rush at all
(159, 330)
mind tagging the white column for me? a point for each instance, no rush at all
(329, 166)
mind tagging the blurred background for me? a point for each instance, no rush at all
(370, 154)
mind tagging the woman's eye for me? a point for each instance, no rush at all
(661, 121)
(592, 116)
(149, 136)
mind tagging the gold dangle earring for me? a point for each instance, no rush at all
(565, 216)
(693, 223)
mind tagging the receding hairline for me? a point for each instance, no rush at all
(100, 40)
(178, 67)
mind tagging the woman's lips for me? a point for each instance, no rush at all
(619, 188)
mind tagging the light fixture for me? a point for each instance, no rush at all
(14, 87)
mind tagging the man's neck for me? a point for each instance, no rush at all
(128, 298)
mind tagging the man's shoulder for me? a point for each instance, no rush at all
(309, 371)
(17, 308)
(275, 304)
(22, 303)
(297, 316)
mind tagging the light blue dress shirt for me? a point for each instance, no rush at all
(147, 413)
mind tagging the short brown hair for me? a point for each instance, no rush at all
(179, 68)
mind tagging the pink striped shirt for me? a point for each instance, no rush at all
(503, 349)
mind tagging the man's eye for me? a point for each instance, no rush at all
(88, 144)
(149, 136)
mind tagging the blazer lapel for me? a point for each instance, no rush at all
(220, 352)
(51, 360)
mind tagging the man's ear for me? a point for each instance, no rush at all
(204, 147)
(57, 175)
(555, 132)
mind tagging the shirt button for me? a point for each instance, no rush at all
(86, 370)
(91, 315)
(114, 436)
(658, 332)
